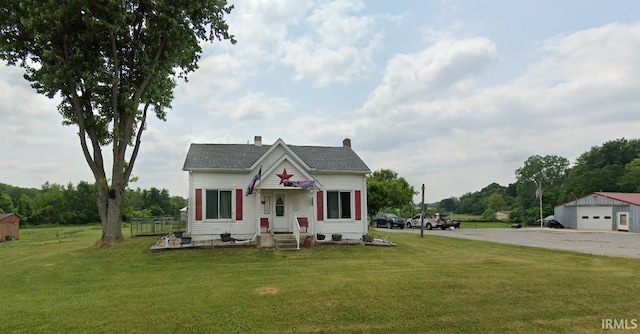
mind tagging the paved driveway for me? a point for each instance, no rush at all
(621, 244)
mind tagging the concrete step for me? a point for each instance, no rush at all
(286, 244)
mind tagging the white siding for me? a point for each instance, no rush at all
(349, 228)
(277, 153)
(207, 229)
(300, 202)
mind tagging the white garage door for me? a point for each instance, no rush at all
(595, 218)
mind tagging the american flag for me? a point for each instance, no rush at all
(300, 184)
(252, 184)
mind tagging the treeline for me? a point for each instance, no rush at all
(76, 204)
(612, 167)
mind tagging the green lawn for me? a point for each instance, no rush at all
(55, 281)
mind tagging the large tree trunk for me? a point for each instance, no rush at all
(112, 231)
(109, 203)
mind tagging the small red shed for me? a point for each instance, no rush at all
(9, 225)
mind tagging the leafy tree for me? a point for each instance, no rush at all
(496, 202)
(157, 200)
(630, 181)
(110, 62)
(449, 204)
(477, 203)
(385, 189)
(25, 209)
(549, 172)
(83, 201)
(177, 203)
(603, 168)
(6, 204)
(49, 205)
(489, 214)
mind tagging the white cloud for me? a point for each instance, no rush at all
(260, 25)
(340, 50)
(217, 76)
(255, 106)
(430, 120)
(457, 105)
(423, 95)
(325, 65)
(336, 26)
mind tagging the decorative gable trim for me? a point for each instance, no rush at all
(295, 159)
(286, 157)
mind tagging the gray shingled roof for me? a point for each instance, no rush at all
(243, 156)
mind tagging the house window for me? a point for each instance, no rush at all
(279, 206)
(218, 204)
(338, 204)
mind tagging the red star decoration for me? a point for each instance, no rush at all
(284, 176)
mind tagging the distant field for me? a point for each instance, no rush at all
(476, 221)
(467, 217)
(55, 281)
(472, 224)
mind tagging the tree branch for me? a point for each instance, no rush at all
(95, 162)
(136, 147)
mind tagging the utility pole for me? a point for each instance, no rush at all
(539, 192)
(422, 214)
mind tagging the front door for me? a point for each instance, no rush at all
(280, 221)
(623, 221)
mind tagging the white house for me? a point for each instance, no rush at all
(252, 189)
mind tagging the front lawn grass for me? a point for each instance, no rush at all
(55, 281)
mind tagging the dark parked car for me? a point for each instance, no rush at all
(449, 224)
(388, 220)
(554, 224)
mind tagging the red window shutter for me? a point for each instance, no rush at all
(198, 204)
(320, 206)
(358, 201)
(238, 204)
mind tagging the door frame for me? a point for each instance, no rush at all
(626, 225)
(280, 223)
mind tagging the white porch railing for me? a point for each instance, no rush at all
(296, 231)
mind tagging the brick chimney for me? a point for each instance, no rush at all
(257, 140)
(346, 142)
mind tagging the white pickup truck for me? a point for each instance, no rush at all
(431, 222)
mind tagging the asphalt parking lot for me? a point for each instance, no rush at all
(620, 244)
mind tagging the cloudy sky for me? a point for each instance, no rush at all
(453, 94)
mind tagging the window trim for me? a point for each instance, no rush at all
(205, 204)
(351, 208)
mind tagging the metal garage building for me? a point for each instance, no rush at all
(601, 211)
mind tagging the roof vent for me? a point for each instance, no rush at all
(257, 140)
(346, 142)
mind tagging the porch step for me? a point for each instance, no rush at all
(285, 242)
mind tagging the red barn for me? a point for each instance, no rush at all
(9, 225)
